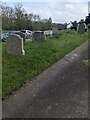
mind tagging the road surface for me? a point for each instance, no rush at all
(61, 91)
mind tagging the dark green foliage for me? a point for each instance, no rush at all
(16, 18)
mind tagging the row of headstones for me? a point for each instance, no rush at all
(42, 35)
(15, 41)
(39, 35)
(80, 27)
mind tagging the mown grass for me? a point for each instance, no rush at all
(17, 70)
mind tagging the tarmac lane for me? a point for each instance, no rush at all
(61, 91)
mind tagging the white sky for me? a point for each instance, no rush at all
(60, 11)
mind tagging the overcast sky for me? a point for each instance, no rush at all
(60, 11)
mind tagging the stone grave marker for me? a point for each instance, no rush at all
(55, 32)
(81, 28)
(39, 36)
(15, 45)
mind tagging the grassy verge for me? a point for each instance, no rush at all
(18, 69)
(87, 62)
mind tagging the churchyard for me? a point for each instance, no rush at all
(35, 56)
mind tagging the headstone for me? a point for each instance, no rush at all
(39, 36)
(15, 45)
(55, 32)
(81, 28)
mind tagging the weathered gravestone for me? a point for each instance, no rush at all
(55, 32)
(15, 45)
(39, 36)
(81, 28)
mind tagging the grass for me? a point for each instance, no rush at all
(87, 62)
(0, 70)
(17, 70)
